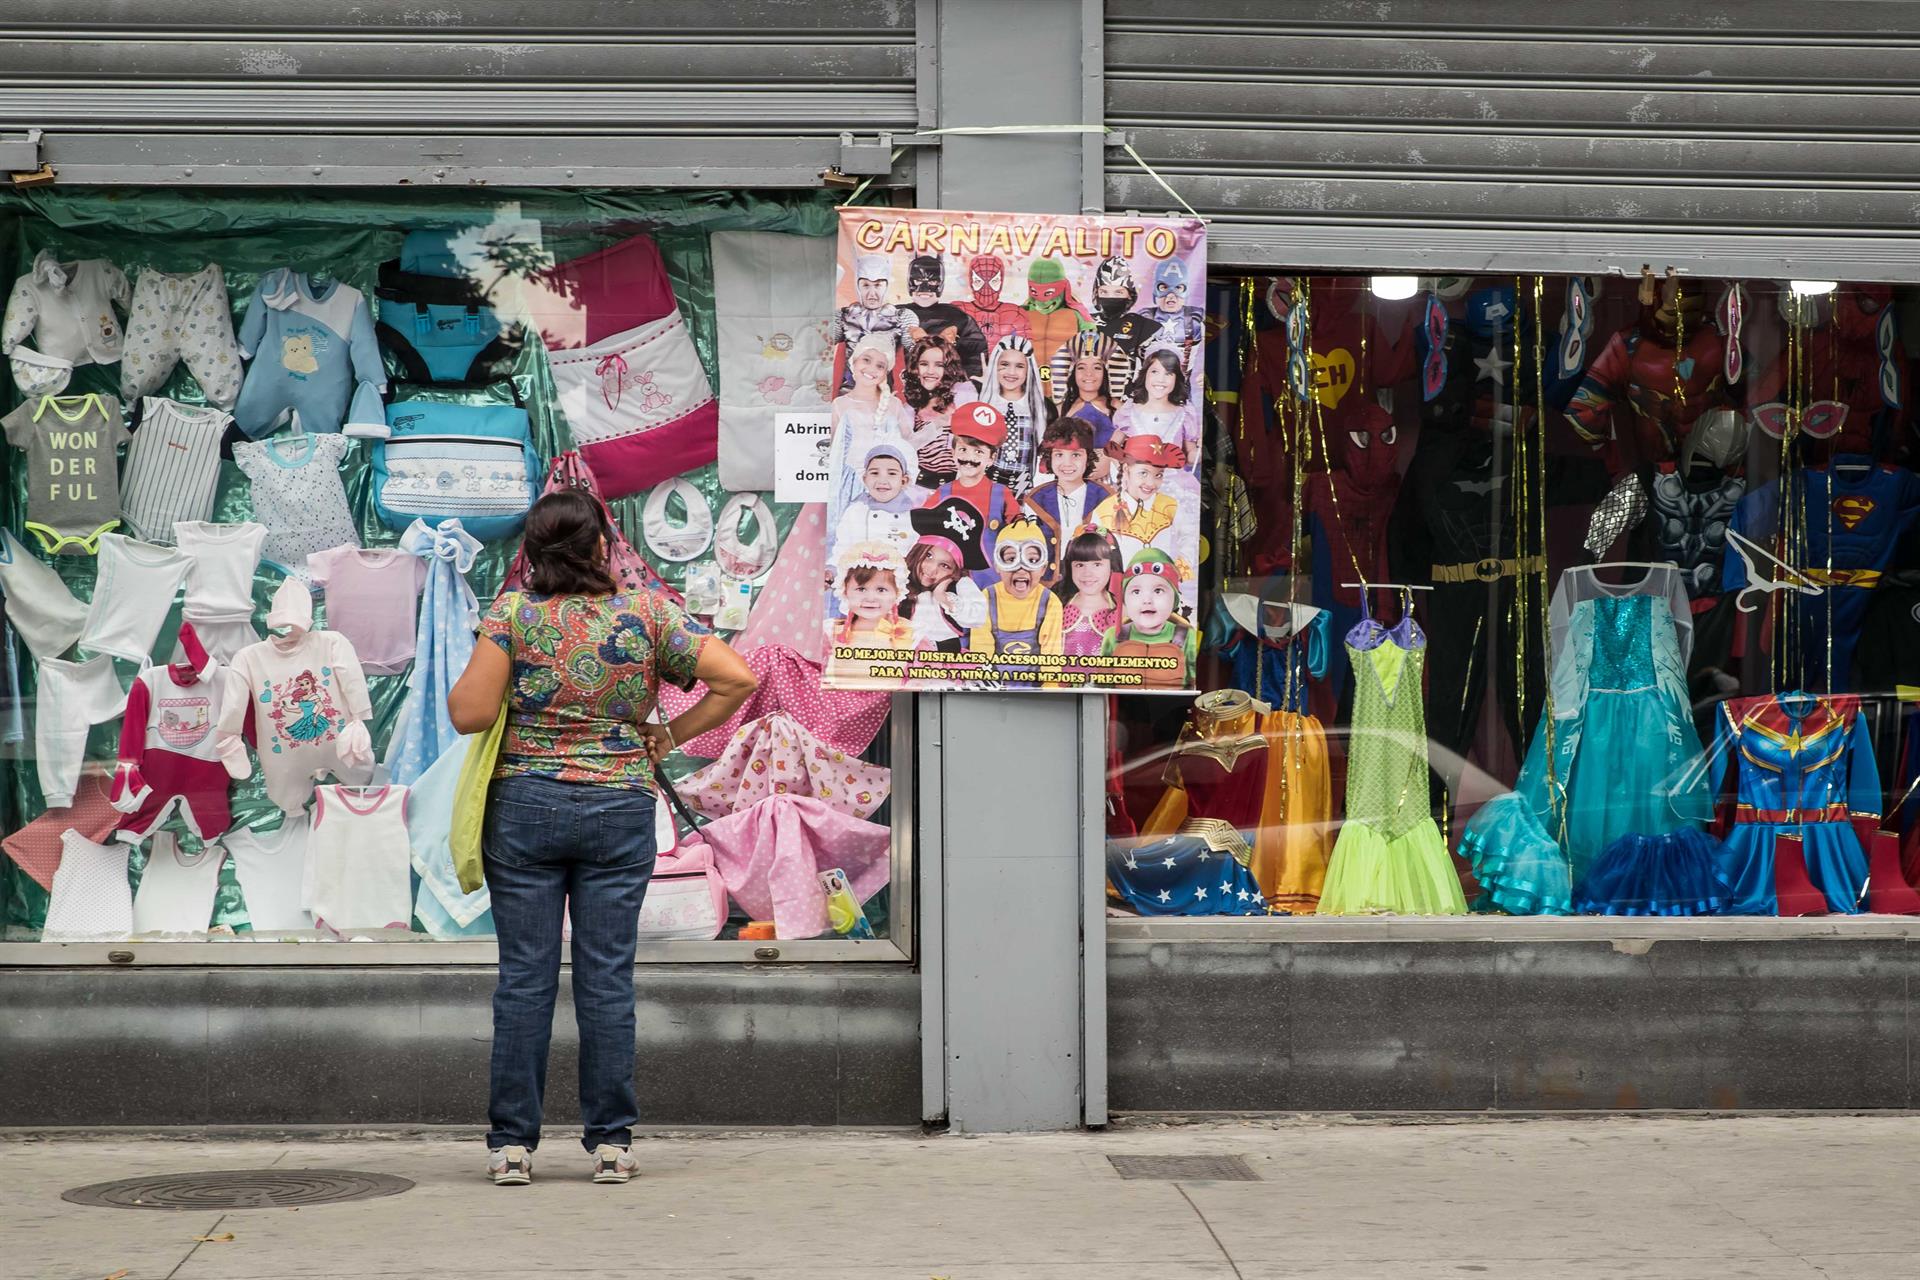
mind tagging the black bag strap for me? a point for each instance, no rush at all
(681, 810)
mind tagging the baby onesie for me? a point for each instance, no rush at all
(168, 753)
(302, 689)
(67, 309)
(132, 596)
(92, 899)
(298, 495)
(39, 605)
(177, 317)
(370, 600)
(177, 889)
(73, 468)
(222, 559)
(359, 863)
(312, 352)
(271, 867)
(72, 698)
(173, 467)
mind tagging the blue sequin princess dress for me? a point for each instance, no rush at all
(1606, 816)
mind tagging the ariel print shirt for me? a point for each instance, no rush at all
(584, 673)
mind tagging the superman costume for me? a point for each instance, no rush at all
(1855, 515)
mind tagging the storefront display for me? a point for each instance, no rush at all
(1034, 428)
(1617, 565)
(246, 587)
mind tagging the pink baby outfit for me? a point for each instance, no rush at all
(776, 756)
(371, 594)
(771, 855)
(794, 600)
(789, 683)
(168, 752)
(35, 848)
(625, 371)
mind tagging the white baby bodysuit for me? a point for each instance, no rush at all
(132, 596)
(173, 467)
(271, 867)
(298, 495)
(359, 861)
(177, 889)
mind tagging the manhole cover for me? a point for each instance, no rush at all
(1184, 1168)
(239, 1189)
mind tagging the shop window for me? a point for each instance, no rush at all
(235, 416)
(1540, 596)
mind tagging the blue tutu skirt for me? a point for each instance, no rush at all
(1675, 874)
(1182, 876)
(1520, 869)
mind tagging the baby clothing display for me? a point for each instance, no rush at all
(173, 467)
(789, 683)
(222, 559)
(39, 606)
(177, 888)
(71, 699)
(625, 371)
(311, 352)
(441, 906)
(271, 867)
(169, 756)
(307, 701)
(772, 852)
(132, 595)
(66, 309)
(442, 646)
(776, 755)
(92, 898)
(72, 445)
(299, 497)
(794, 600)
(770, 294)
(370, 594)
(359, 871)
(181, 317)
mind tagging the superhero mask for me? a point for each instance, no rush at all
(1046, 287)
(985, 275)
(1020, 555)
(924, 275)
(1170, 286)
(1114, 273)
(1371, 447)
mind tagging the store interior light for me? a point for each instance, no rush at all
(1812, 288)
(1395, 288)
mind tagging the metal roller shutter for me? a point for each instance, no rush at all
(1745, 134)
(716, 93)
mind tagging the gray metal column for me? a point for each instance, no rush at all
(1005, 985)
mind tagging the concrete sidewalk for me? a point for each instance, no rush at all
(1565, 1199)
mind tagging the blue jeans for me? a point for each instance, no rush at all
(548, 844)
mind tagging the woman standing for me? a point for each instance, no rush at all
(569, 825)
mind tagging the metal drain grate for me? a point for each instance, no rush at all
(239, 1189)
(1184, 1168)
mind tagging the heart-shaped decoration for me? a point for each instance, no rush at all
(1332, 376)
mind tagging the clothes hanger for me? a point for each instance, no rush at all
(1629, 564)
(1385, 586)
(1760, 583)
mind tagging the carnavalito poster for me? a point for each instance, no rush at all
(1014, 452)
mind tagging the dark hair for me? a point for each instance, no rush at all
(1068, 433)
(1137, 390)
(566, 546)
(1092, 545)
(938, 398)
(916, 557)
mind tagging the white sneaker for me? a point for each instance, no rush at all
(613, 1164)
(510, 1167)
